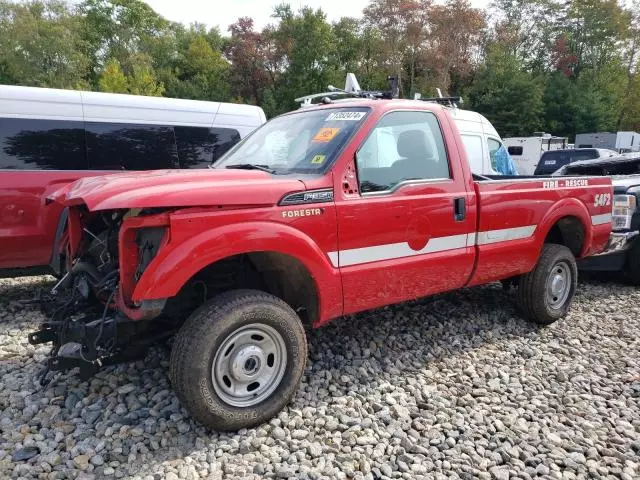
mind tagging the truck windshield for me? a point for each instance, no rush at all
(302, 142)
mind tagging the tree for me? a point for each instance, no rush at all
(142, 80)
(304, 45)
(455, 43)
(595, 29)
(40, 45)
(112, 78)
(510, 97)
(392, 18)
(246, 51)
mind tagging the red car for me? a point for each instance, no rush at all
(312, 217)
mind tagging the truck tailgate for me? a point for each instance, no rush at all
(515, 216)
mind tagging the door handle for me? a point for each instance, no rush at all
(459, 209)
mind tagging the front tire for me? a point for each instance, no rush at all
(545, 294)
(238, 360)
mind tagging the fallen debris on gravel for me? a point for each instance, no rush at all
(456, 386)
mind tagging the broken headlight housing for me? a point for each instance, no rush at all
(624, 206)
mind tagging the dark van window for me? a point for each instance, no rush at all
(550, 162)
(31, 144)
(515, 150)
(198, 147)
(122, 146)
(225, 138)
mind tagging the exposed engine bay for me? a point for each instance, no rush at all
(92, 320)
(84, 322)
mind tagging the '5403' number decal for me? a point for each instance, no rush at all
(602, 200)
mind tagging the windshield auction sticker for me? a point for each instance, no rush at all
(355, 116)
(318, 159)
(325, 134)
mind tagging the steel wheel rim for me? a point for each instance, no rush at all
(558, 285)
(249, 365)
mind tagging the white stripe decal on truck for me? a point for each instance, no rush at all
(505, 234)
(378, 253)
(600, 219)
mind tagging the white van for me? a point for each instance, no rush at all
(481, 140)
(79, 130)
(50, 138)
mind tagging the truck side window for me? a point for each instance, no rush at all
(403, 146)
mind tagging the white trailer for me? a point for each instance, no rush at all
(622, 142)
(526, 151)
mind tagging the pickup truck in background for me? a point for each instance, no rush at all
(301, 223)
(623, 250)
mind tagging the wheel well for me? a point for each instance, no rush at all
(567, 231)
(278, 274)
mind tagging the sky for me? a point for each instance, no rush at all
(212, 14)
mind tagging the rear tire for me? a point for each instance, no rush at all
(632, 266)
(545, 294)
(238, 360)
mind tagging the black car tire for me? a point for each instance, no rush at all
(535, 296)
(202, 343)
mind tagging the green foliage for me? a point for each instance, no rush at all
(141, 81)
(509, 96)
(112, 79)
(562, 66)
(40, 45)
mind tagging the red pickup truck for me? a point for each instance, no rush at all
(311, 217)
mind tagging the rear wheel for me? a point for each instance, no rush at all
(238, 359)
(545, 294)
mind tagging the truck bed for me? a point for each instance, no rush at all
(515, 215)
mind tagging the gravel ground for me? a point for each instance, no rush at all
(456, 386)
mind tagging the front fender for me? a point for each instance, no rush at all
(176, 262)
(566, 207)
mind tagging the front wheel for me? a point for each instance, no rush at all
(238, 359)
(545, 294)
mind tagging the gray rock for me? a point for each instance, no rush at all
(125, 389)
(499, 473)
(315, 450)
(299, 434)
(542, 469)
(25, 454)
(554, 439)
(81, 462)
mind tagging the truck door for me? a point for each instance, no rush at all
(409, 230)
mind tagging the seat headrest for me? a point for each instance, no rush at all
(412, 144)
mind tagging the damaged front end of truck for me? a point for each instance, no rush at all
(125, 285)
(92, 320)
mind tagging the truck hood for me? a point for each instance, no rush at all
(623, 164)
(624, 170)
(622, 184)
(177, 188)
